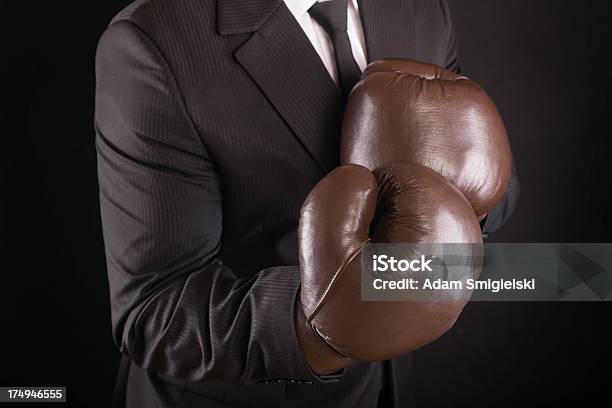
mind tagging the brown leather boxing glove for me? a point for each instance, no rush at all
(400, 203)
(407, 111)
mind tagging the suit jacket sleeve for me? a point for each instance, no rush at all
(176, 309)
(501, 213)
(450, 48)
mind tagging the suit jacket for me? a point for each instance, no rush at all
(214, 119)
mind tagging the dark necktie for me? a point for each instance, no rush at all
(331, 15)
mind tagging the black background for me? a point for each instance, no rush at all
(543, 61)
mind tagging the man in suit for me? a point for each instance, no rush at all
(214, 119)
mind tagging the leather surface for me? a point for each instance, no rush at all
(399, 203)
(404, 110)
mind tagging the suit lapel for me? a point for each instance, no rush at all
(288, 70)
(388, 28)
(280, 59)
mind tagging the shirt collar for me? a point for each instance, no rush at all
(299, 7)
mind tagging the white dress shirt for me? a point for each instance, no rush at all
(321, 41)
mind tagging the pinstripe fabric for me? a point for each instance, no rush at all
(313, 112)
(213, 122)
(244, 16)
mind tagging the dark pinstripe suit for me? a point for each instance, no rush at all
(214, 120)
